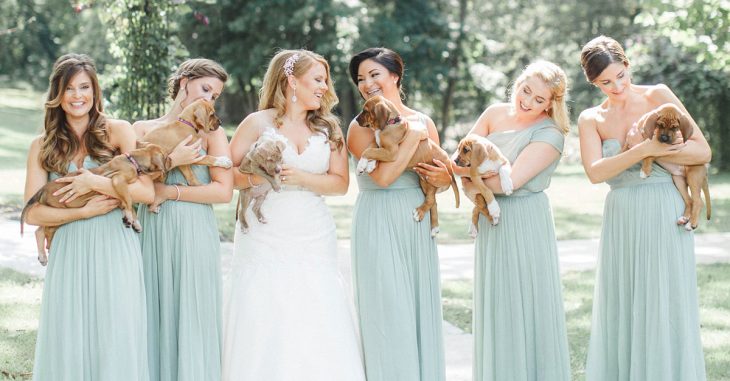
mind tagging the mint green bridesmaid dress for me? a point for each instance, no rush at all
(93, 324)
(397, 284)
(645, 324)
(519, 322)
(181, 255)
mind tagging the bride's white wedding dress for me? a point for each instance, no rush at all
(286, 314)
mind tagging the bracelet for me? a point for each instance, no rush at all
(177, 188)
(251, 182)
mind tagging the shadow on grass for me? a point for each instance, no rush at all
(713, 283)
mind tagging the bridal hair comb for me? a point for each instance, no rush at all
(289, 64)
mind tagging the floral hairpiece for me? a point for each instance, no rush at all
(289, 64)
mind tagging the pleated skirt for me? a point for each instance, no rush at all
(519, 321)
(93, 324)
(645, 323)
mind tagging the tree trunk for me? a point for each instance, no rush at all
(454, 60)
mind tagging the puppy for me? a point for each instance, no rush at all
(264, 159)
(198, 116)
(122, 169)
(480, 155)
(380, 115)
(666, 123)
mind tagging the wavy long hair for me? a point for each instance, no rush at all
(556, 80)
(59, 143)
(272, 94)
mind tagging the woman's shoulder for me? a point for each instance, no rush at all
(118, 126)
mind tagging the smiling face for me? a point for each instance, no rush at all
(614, 81)
(208, 88)
(311, 86)
(532, 97)
(78, 96)
(375, 79)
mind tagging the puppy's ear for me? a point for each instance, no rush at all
(685, 126)
(649, 124)
(381, 112)
(158, 160)
(245, 165)
(281, 146)
(201, 116)
(479, 153)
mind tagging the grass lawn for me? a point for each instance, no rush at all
(713, 282)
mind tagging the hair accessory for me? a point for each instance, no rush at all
(289, 64)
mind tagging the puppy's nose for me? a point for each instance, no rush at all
(277, 169)
(664, 138)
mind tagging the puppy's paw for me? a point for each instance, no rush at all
(417, 215)
(682, 220)
(43, 259)
(262, 220)
(136, 226)
(688, 226)
(361, 165)
(223, 162)
(473, 231)
(643, 174)
(371, 166)
(505, 179)
(435, 230)
(494, 211)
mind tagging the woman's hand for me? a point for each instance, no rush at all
(293, 176)
(184, 154)
(78, 185)
(436, 175)
(654, 148)
(98, 205)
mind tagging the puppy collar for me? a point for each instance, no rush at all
(134, 163)
(186, 122)
(395, 120)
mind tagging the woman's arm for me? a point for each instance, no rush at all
(481, 128)
(246, 134)
(41, 215)
(600, 169)
(359, 138)
(697, 150)
(122, 136)
(220, 188)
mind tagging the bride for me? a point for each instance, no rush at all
(286, 314)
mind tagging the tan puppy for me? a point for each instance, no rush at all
(264, 159)
(380, 115)
(668, 124)
(122, 169)
(480, 155)
(198, 116)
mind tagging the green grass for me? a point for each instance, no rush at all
(713, 282)
(19, 309)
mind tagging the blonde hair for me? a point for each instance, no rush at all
(272, 94)
(195, 68)
(556, 80)
(59, 144)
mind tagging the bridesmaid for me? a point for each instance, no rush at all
(181, 244)
(519, 323)
(395, 263)
(645, 322)
(93, 322)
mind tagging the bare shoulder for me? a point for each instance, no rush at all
(589, 116)
(659, 94)
(258, 120)
(36, 144)
(141, 127)
(118, 126)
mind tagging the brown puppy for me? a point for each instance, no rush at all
(667, 123)
(480, 156)
(264, 159)
(198, 116)
(380, 115)
(122, 169)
